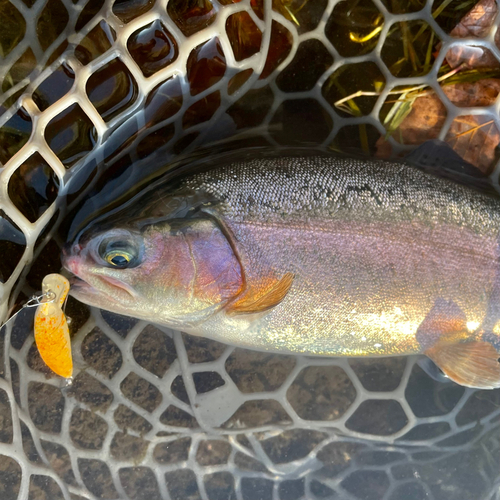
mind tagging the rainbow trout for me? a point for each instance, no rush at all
(313, 255)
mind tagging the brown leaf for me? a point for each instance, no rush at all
(424, 122)
(474, 137)
(468, 94)
(475, 24)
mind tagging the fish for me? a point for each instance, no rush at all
(318, 255)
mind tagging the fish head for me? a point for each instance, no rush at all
(176, 272)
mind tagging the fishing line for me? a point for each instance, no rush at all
(34, 301)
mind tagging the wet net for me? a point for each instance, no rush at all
(92, 89)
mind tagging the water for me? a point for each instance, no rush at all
(157, 414)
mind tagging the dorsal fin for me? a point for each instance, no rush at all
(261, 298)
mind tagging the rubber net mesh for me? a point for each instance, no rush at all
(91, 87)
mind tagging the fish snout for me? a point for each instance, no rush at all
(71, 264)
(71, 257)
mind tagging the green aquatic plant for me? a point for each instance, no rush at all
(409, 50)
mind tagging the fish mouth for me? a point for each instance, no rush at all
(79, 285)
(118, 286)
(111, 289)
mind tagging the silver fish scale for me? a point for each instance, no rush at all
(154, 414)
(284, 188)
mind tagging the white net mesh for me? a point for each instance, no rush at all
(154, 414)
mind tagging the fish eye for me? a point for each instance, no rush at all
(118, 259)
(120, 253)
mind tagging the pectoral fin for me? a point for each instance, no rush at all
(472, 364)
(260, 299)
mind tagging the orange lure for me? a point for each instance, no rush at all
(51, 327)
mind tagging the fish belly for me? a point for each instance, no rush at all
(363, 288)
